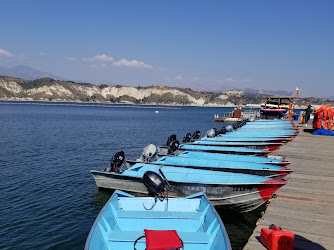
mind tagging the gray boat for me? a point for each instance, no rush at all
(235, 191)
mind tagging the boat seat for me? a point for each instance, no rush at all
(159, 215)
(186, 237)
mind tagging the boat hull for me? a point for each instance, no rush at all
(163, 150)
(237, 197)
(232, 167)
(271, 146)
(232, 157)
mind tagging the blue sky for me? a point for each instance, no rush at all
(204, 45)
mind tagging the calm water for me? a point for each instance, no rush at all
(49, 199)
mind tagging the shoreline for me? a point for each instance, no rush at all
(136, 104)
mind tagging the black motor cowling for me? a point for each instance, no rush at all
(187, 137)
(196, 135)
(116, 162)
(170, 140)
(154, 183)
(173, 146)
(222, 131)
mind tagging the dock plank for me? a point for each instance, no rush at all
(305, 205)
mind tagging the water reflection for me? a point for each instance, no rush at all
(240, 226)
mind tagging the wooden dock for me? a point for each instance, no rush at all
(305, 205)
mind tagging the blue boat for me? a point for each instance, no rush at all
(261, 169)
(271, 146)
(271, 129)
(258, 134)
(265, 126)
(218, 149)
(263, 132)
(124, 218)
(235, 191)
(232, 157)
(246, 139)
(271, 123)
(272, 171)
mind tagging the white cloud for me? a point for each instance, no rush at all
(178, 78)
(99, 58)
(70, 58)
(5, 53)
(131, 64)
(42, 54)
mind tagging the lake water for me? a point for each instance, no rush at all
(49, 199)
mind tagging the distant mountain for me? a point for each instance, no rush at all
(269, 92)
(26, 73)
(49, 89)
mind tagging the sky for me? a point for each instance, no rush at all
(202, 45)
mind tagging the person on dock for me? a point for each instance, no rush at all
(307, 114)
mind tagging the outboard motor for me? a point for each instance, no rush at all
(229, 128)
(222, 131)
(196, 135)
(154, 183)
(116, 162)
(156, 186)
(211, 133)
(173, 146)
(235, 126)
(148, 153)
(187, 138)
(170, 139)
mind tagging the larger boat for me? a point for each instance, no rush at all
(277, 107)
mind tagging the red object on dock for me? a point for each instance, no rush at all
(277, 239)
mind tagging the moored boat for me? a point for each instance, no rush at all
(246, 139)
(239, 192)
(123, 219)
(271, 146)
(222, 149)
(233, 157)
(261, 169)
